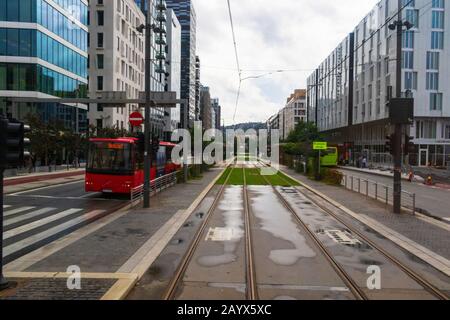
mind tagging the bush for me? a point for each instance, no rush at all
(333, 177)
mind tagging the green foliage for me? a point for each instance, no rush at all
(333, 177)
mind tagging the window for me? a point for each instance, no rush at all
(408, 60)
(408, 39)
(437, 20)
(432, 81)
(100, 40)
(100, 83)
(100, 61)
(412, 15)
(410, 80)
(100, 18)
(436, 101)
(437, 40)
(432, 60)
(437, 4)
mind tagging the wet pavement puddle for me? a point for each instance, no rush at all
(275, 219)
(231, 207)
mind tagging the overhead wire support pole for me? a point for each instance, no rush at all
(148, 101)
(398, 127)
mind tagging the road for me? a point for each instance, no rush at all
(34, 218)
(435, 201)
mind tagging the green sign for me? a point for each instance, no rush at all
(320, 145)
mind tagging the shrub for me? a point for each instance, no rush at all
(333, 177)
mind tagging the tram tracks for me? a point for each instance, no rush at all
(177, 279)
(424, 283)
(346, 278)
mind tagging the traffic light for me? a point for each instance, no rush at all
(390, 144)
(155, 146)
(141, 142)
(409, 147)
(13, 143)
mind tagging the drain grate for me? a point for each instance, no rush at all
(342, 237)
(289, 190)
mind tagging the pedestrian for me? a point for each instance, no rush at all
(364, 163)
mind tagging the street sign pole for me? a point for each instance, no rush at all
(398, 127)
(148, 102)
(3, 283)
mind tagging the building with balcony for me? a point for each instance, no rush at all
(173, 116)
(205, 108)
(198, 88)
(184, 10)
(291, 115)
(43, 54)
(217, 113)
(349, 92)
(117, 60)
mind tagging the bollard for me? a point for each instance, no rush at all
(376, 191)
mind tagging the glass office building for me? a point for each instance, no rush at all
(43, 53)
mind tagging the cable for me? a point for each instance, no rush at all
(237, 61)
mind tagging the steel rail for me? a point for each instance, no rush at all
(346, 278)
(181, 270)
(427, 285)
(251, 287)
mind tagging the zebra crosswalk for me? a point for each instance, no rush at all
(27, 228)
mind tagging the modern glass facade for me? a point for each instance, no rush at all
(49, 59)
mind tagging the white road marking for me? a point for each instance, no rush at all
(18, 210)
(17, 246)
(27, 216)
(62, 198)
(38, 223)
(6, 206)
(447, 219)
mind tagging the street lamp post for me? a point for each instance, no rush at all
(148, 102)
(398, 136)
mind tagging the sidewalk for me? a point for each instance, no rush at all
(41, 180)
(378, 172)
(420, 231)
(113, 253)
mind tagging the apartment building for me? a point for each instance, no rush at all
(349, 92)
(291, 115)
(43, 54)
(117, 60)
(173, 61)
(185, 12)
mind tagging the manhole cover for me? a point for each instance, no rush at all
(342, 237)
(288, 190)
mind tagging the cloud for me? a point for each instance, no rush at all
(271, 35)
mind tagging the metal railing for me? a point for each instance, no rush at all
(378, 191)
(156, 186)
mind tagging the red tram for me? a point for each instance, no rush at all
(117, 165)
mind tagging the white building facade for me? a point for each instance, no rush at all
(349, 92)
(117, 60)
(173, 116)
(291, 115)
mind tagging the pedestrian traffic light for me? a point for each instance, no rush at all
(155, 146)
(13, 143)
(141, 142)
(390, 144)
(409, 146)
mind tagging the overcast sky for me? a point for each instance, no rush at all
(271, 35)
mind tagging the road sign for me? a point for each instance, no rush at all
(136, 119)
(320, 145)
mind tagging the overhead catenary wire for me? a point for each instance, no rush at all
(238, 94)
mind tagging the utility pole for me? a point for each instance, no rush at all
(3, 131)
(148, 102)
(398, 127)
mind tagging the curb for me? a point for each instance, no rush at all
(438, 262)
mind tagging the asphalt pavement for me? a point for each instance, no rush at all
(37, 217)
(431, 200)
